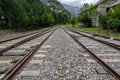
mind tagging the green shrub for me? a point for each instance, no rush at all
(85, 19)
(103, 19)
(114, 18)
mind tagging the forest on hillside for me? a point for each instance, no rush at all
(30, 14)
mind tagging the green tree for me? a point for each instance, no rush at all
(103, 19)
(14, 13)
(31, 14)
(115, 24)
(114, 18)
(85, 17)
(73, 20)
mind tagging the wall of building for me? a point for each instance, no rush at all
(102, 9)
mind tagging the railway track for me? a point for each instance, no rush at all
(114, 44)
(60, 54)
(12, 72)
(11, 43)
(105, 37)
(19, 50)
(99, 36)
(20, 36)
(108, 60)
(54, 60)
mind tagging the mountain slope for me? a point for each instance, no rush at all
(73, 10)
(55, 6)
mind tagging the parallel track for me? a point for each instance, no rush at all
(23, 41)
(97, 35)
(104, 42)
(6, 40)
(109, 68)
(12, 72)
(19, 64)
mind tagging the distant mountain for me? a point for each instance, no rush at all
(56, 6)
(73, 10)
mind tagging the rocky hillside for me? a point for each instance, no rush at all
(73, 10)
(56, 6)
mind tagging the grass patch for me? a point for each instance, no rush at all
(91, 30)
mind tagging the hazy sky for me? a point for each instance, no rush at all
(77, 3)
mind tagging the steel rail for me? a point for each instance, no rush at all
(109, 68)
(99, 35)
(12, 72)
(6, 40)
(115, 46)
(23, 41)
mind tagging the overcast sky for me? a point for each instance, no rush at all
(77, 3)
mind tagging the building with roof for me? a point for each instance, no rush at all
(103, 6)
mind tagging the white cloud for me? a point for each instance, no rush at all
(77, 3)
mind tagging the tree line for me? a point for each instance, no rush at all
(28, 14)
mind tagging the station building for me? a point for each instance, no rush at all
(103, 6)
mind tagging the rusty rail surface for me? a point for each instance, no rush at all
(101, 41)
(23, 41)
(99, 60)
(99, 35)
(13, 71)
(6, 40)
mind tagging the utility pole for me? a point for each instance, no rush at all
(76, 22)
(99, 23)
